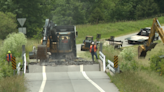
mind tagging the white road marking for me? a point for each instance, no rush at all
(44, 79)
(93, 83)
(81, 68)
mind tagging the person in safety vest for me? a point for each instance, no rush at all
(93, 49)
(65, 40)
(9, 57)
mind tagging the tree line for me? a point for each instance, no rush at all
(74, 12)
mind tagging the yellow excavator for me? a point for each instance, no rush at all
(156, 27)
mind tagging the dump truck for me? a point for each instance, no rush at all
(156, 27)
(57, 45)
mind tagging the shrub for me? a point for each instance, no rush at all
(127, 54)
(127, 57)
(157, 63)
(13, 42)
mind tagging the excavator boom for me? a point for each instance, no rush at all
(156, 27)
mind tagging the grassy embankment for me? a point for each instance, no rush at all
(143, 79)
(113, 29)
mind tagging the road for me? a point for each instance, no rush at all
(83, 78)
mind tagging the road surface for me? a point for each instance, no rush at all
(80, 78)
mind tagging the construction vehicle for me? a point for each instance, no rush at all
(58, 42)
(87, 42)
(115, 43)
(156, 27)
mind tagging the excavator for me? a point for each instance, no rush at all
(58, 42)
(156, 27)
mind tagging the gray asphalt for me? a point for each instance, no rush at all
(68, 79)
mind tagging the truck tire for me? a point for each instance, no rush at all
(129, 42)
(82, 48)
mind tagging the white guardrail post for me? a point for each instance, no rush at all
(102, 57)
(24, 62)
(18, 68)
(110, 66)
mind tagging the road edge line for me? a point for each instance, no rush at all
(87, 78)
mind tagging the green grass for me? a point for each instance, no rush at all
(132, 82)
(113, 29)
(142, 80)
(13, 84)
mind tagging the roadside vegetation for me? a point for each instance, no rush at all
(113, 29)
(138, 75)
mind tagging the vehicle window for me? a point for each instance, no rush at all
(89, 38)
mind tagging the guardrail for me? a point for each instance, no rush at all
(18, 68)
(24, 59)
(102, 57)
(110, 65)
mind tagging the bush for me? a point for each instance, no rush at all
(13, 42)
(157, 63)
(128, 63)
(128, 54)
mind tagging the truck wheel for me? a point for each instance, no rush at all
(82, 47)
(129, 42)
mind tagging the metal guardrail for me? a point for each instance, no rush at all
(24, 59)
(18, 68)
(110, 65)
(102, 57)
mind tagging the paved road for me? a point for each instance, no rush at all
(83, 78)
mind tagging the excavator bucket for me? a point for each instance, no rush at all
(142, 50)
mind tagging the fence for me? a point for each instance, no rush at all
(110, 65)
(24, 59)
(102, 57)
(18, 68)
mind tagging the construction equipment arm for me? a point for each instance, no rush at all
(156, 27)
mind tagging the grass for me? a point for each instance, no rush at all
(132, 82)
(141, 80)
(113, 29)
(13, 84)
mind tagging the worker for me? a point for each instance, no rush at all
(9, 57)
(93, 49)
(65, 40)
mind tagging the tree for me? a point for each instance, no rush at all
(146, 8)
(35, 12)
(7, 24)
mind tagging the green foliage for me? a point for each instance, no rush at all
(13, 42)
(157, 63)
(128, 54)
(7, 24)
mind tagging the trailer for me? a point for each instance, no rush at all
(115, 43)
